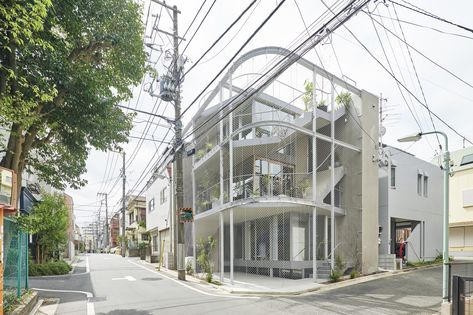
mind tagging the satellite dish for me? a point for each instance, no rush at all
(382, 130)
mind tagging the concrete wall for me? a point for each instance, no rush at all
(460, 181)
(160, 217)
(369, 184)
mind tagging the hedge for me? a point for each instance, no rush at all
(51, 268)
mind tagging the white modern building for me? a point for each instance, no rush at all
(286, 179)
(410, 207)
(159, 219)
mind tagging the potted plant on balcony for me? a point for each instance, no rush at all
(215, 196)
(200, 154)
(308, 95)
(208, 146)
(303, 187)
(322, 105)
(344, 98)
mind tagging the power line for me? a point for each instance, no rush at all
(422, 26)
(423, 55)
(220, 37)
(417, 75)
(431, 15)
(397, 80)
(192, 22)
(234, 56)
(198, 27)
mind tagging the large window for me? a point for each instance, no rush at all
(163, 196)
(272, 178)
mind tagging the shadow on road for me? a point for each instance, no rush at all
(126, 312)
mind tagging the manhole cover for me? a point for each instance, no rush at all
(151, 279)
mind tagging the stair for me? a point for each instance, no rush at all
(323, 270)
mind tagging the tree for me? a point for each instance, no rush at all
(49, 222)
(64, 68)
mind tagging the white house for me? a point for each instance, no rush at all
(410, 206)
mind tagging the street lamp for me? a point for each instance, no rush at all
(446, 168)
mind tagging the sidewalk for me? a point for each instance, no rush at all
(285, 286)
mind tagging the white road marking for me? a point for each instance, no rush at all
(90, 304)
(192, 288)
(129, 278)
(87, 268)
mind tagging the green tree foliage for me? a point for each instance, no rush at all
(204, 258)
(49, 222)
(64, 67)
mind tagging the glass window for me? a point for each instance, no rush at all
(393, 176)
(467, 159)
(426, 186)
(419, 184)
(163, 195)
(151, 205)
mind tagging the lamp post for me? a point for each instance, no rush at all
(446, 168)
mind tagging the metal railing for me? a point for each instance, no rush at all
(462, 289)
(458, 268)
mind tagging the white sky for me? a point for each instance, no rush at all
(446, 96)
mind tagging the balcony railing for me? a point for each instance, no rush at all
(291, 185)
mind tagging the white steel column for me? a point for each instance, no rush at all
(314, 177)
(314, 243)
(230, 147)
(194, 249)
(221, 150)
(232, 247)
(326, 237)
(221, 241)
(332, 179)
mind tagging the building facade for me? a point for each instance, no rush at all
(286, 184)
(410, 206)
(461, 203)
(135, 230)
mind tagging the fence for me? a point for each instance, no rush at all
(15, 268)
(462, 289)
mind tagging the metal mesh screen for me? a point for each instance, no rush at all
(15, 268)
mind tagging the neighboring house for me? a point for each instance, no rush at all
(410, 207)
(285, 187)
(136, 228)
(89, 236)
(159, 223)
(461, 203)
(114, 230)
(77, 239)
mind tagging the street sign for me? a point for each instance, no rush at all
(185, 215)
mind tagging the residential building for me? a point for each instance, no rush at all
(461, 203)
(410, 207)
(136, 227)
(114, 230)
(286, 180)
(89, 236)
(159, 218)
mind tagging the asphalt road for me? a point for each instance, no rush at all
(122, 286)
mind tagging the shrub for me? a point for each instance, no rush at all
(189, 269)
(204, 258)
(49, 268)
(335, 275)
(354, 274)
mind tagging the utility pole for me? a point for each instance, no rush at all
(123, 206)
(181, 273)
(171, 92)
(107, 233)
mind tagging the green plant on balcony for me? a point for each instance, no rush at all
(200, 154)
(303, 187)
(344, 98)
(308, 95)
(265, 184)
(322, 105)
(142, 224)
(208, 146)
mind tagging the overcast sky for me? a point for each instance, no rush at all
(446, 96)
